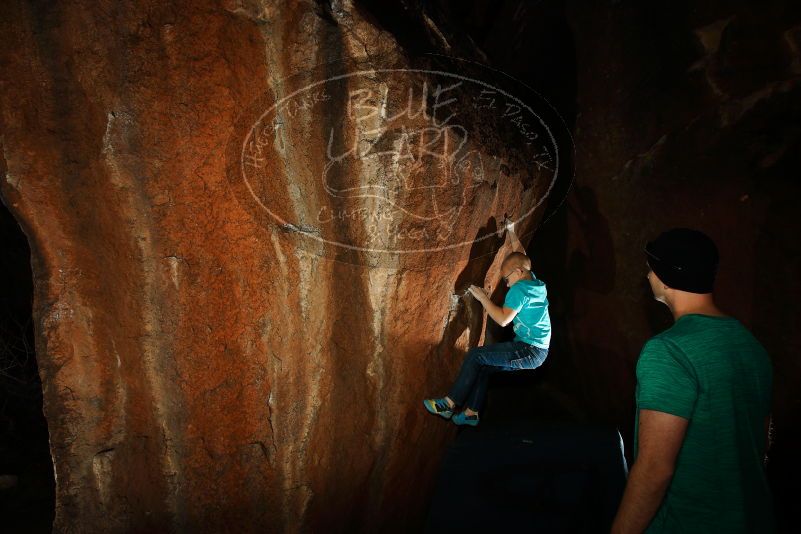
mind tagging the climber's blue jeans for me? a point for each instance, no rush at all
(480, 362)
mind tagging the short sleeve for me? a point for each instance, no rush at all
(515, 299)
(665, 381)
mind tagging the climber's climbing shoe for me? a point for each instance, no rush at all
(462, 419)
(439, 407)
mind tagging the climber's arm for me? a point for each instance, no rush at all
(514, 241)
(501, 315)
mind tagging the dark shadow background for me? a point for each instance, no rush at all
(27, 487)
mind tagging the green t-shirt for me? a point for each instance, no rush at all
(713, 372)
(532, 324)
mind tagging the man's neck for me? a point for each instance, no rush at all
(691, 303)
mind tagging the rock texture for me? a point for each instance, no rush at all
(224, 342)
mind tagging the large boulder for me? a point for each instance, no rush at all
(251, 227)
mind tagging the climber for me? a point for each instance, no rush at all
(526, 306)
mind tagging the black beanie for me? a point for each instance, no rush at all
(684, 259)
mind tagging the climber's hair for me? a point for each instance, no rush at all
(517, 260)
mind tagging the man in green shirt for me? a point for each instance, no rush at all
(703, 402)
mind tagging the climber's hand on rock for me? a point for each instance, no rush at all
(478, 293)
(506, 226)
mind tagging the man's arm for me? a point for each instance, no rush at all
(514, 242)
(660, 437)
(501, 315)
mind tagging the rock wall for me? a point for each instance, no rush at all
(247, 249)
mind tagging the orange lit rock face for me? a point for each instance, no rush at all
(244, 281)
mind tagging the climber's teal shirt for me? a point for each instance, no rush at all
(532, 324)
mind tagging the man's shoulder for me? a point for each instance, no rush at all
(515, 289)
(684, 330)
(534, 286)
(662, 345)
(702, 341)
(664, 349)
(709, 332)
